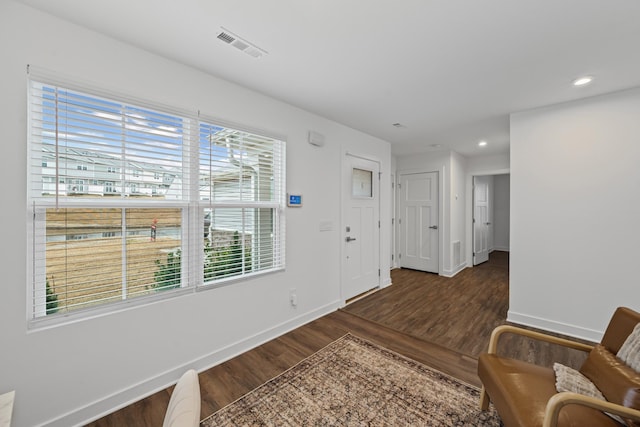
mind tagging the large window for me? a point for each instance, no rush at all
(133, 201)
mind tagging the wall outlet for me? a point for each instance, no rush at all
(293, 297)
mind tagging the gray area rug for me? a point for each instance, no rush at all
(352, 382)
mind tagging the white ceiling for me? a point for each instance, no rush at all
(450, 71)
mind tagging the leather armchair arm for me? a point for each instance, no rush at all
(502, 329)
(559, 400)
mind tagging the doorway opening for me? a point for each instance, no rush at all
(491, 216)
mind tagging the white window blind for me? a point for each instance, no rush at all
(241, 189)
(98, 148)
(131, 200)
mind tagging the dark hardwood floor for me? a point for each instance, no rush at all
(443, 323)
(458, 312)
(228, 381)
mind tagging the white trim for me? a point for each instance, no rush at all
(97, 89)
(555, 326)
(451, 273)
(47, 322)
(362, 157)
(386, 283)
(127, 396)
(469, 206)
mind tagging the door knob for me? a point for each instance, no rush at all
(349, 239)
(434, 227)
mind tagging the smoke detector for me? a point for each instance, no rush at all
(241, 44)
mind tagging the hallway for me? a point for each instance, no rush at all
(457, 312)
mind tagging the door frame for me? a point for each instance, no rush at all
(401, 234)
(443, 220)
(469, 207)
(345, 174)
(474, 223)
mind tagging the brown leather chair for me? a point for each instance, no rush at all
(524, 394)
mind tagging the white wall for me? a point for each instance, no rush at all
(501, 212)
(458, 207)
(575, 205)
(69, 374)
(488, 165)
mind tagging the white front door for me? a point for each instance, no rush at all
(418, 221)
(481, 223)
(361, 226)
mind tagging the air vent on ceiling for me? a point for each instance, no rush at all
(240, 43)
(227, 38)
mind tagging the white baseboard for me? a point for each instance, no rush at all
(554, 326)
(451, 273)
(129, 395)
(387, 282)
(500, 248)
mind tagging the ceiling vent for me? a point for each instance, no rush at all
(240, 43)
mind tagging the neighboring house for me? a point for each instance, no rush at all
(91, 173)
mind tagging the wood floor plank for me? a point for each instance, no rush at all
(458, 312)
(441, 322)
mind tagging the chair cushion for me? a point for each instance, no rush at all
(520, 392)
(618, 382)
(630, 351)
(184, 405)
(568, 379)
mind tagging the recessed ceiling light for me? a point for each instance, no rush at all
(482, 143)
(581, 81)
(399, 125)
(435, 145)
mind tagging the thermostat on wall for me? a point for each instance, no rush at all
(294, 200)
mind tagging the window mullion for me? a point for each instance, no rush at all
(193, 266)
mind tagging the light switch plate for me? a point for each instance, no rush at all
(326, 225)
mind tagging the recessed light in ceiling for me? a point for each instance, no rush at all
(482, 144)
(435, 145)
(399, 125)
(581, 81)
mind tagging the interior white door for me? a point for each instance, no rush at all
(418, 221)
(361, 226)
(481, 222)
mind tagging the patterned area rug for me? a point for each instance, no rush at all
(352, 382)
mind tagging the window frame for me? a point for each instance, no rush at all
(193, 209)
